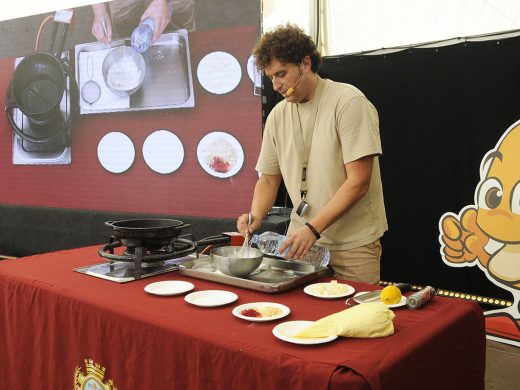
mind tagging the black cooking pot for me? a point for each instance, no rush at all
(39, 82)
(149, 233)
(38, 86)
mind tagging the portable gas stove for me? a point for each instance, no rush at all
(140, 248)
(139, 262)
(41, 101)
(46, 143)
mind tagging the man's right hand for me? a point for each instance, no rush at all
(101, 16)
(242, 224)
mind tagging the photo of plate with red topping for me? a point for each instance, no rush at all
(220, 154)
(261, 311)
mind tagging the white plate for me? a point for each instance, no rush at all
(219, 72)
(285, 330)
(211, 298)
(402, 302)
(169, 287)
(309, 290)
(258, 305)
(116, 152)
(251, 66)
(220, 154)
(163, 151)
(252, 70)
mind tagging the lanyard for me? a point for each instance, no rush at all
(303, 144)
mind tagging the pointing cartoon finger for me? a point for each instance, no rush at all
(451, 228)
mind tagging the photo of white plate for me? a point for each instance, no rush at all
(402, 302)
(311, 290)
(220, 154)
(286, 330)
(219, 72)
(251, 68)
(211, 298)
(169, 287)
(255, 75)
(163, 151)
(116, 152)
(261, 307)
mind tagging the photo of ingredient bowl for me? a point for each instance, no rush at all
(123, 70)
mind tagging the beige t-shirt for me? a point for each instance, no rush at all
(344, 127)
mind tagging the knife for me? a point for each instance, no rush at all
(376, 295)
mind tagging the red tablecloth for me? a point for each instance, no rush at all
(52, 318)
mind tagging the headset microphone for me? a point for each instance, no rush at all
(290, 90)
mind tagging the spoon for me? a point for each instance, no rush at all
(103, 23)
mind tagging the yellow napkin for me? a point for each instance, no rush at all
(368, 320)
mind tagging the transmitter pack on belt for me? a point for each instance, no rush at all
(302, 208)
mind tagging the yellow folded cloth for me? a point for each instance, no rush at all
(368, 320)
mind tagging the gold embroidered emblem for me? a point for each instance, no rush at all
(93, 380)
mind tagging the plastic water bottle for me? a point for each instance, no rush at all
(270, 242)
(143, 34)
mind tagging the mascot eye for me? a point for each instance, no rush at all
(515, 199)
(489, 194)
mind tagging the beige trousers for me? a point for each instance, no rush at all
(358, 264)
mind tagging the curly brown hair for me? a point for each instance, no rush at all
(288, 44)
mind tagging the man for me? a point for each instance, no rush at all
(124, 16)
(339, 178)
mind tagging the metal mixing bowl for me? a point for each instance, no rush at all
(124, 53)
(227, 261)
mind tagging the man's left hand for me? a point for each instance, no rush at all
(300, 241)
(158, 11)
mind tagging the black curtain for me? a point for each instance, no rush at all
(441, 109)
(269, 99)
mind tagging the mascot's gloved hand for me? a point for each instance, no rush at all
(464, 241)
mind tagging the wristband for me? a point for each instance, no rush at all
(314, 231)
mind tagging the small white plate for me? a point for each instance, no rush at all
(310, 290)
(163, 151)
(169, 287)
(251, 67)
(253, 72)
(211, 298)
(116, 152)
(259, 305)
(219, 72)
(286, 330)
(402, 302)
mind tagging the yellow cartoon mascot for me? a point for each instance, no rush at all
(487, 233)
